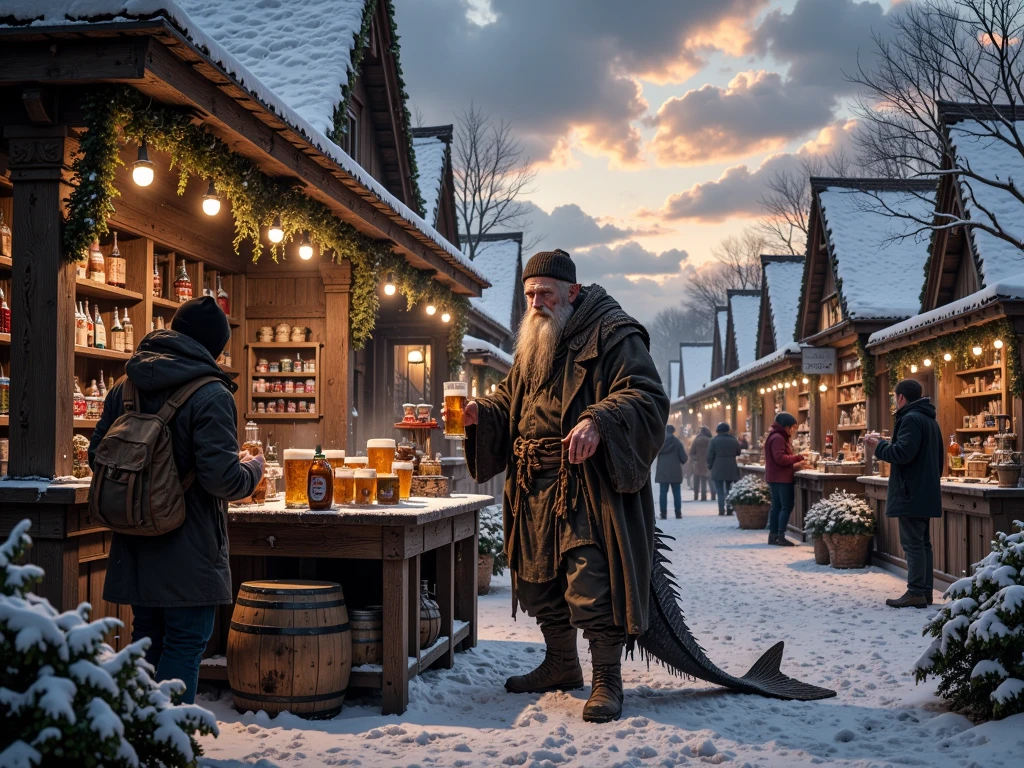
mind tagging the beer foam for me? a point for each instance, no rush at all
(365, 473)
(333, 453)
(298, 454)
(357, 460)
(380, 442)
(407, 465)
(456, 388)
(345, 473)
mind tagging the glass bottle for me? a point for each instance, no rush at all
(117, 333)
(182, 285)
(5, 238)
(80, 407)
(102, 385)
(253, 445)
(5, 393)
(82, 265)
(97, 266)
(129, 333)
(81, 327)
(158, 281)
(222, 296)
(110, 383)
(115, 266)
(320, 482)
(92, 390)
(99, 330)
(90, 327)
(5, 314)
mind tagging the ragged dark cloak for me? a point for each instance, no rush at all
(609, 376)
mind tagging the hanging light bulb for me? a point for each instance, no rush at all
(276, 232)
(389, 286)
(691, 410)
(762, 390)
(305, 248)
(793, 383)
(211, 201)
(787, 385)
(446, 316)
(728, 407)
(998, 343)
(947, 357)
(976, 350)
(806, 380)
(913, 368)
(739, 407)
(927, 362)
(823, 387)
(431, 309)
(142, 168)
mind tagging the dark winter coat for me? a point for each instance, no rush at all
(722, 453)
(610, 377)
(779, 457)
(671, 459)
(189, 565)
(699, 453)
(917, 456)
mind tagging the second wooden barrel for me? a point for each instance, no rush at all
(290, 647)
(367, 636)
(430, 617)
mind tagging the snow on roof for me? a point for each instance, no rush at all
(695, 361)
(430, 153)
(868, 245)
(1010, 288)
(722, 317)
(746, 314)
(44, 13)
(673, 378)
(784, 280)
(991, 159)
(792, 348)
(473, 344)
(499, 261)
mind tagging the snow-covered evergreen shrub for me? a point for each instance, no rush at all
(978, 647)
(842, 513)
(749, 489)
(492, 537)
(67, 699)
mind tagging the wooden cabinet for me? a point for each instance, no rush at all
(275, 352)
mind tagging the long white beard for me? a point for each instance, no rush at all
(536, 342)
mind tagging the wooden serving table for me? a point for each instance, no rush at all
(397, 536)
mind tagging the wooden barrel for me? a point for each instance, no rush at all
(289, 648)
(367, 636)
(430, 618)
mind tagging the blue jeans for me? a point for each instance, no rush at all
(676, 497)
(783, 497)
(179, 637)
(722, 487)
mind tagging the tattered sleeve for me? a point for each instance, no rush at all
(487, 443)
(631, 417)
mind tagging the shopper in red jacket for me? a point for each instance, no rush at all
(779, 464)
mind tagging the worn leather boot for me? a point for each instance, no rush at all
(605, 702)
(773, 538)
(560, 670)
(908, 600)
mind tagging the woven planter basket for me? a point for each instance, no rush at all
(484, 564)
(821, 555)
(848, 550)
(752, 517)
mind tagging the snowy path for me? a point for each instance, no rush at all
(740, 597)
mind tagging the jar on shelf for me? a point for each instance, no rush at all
(300, 387)
(262, 366)
(286, 365)
(303, 406)
(261, 407)
(298, 333)
(278, 386)
(310, 386)
(274, 367)
(280, 405)
(291, 407)
(309, 367)
(265, 334)
(261, 385)
(282, 332)
(289, 386)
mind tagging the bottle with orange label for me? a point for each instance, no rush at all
(320, 482)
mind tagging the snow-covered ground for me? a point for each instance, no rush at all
(740, 596)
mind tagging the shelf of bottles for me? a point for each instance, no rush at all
(979, 392)
(283, 380)
(851, 404)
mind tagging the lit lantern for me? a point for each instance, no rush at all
(276, 232)
(998, 343)
(389, 286)
(431, 309)
(211, 201)
(305, 248)
(976, 350)
(947, 357)
(823, 387)
(913, 369)
(142, 168)
(927, 362)
(806, 380)
(446, 316)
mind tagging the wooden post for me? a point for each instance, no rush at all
(465, 583)
(335, 371)
(414, 607)
(42, 305)
(395, 689)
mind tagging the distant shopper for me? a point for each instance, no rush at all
(744, 441)
(175, 581)
(914, 496)
(779, 464)
(687, 441)
(722, 453)
(699, 457)
(669, 474)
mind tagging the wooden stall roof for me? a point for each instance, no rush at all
(160, 61)
(780, 301)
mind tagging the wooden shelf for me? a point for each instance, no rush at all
(233, 321)
(979, 429)
(5, 421)
(282, 416)
(5, 263)
(804, 408)
(5, 338)
(283, 344)
(972, 371)
(96, 290)
(970, 396)
(85, 423)
(101, 354)
(229, 370)
(280, 375)
(165, 303)
(851, 402)
(852, 428)
(293, 395)
(857, 383)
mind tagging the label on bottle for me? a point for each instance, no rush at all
(129, 338)
(317, 488)
(117, 340)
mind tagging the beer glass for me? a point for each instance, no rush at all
(345, 486)
(381, 453)
(297, 462)
(356, 462)
(387, 489)
(334, 457)
(366, 486)
(404, 471)
(455, 395)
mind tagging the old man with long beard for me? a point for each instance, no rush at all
(576, 426)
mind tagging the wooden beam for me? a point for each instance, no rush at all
(112, 59)
(336, 358)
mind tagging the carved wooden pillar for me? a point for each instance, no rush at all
(42, 304)
(335, 374)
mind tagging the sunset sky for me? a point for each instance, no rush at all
(653, 123)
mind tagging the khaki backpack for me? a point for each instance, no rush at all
(135, 485)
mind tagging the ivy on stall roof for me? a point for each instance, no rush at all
(959, 345)
(255, 200)
(867, 365)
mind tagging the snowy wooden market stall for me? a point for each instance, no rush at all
(149, 157)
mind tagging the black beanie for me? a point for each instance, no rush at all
(556, 264)
(202, 319)
(722, 427)
(784, 419)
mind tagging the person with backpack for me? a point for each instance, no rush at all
(167, 504)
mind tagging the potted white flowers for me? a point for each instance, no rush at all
(751, 497)
(846, 524)
(490, 549)
(814, 526)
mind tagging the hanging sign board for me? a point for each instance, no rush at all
(819, 360)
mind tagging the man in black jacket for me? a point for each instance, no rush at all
(174, 582)
(914, 495)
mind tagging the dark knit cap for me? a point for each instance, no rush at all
(556, 264)
(784, 419)
(202, 319)
(722, 427)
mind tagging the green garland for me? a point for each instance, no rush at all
(959, 345)
(867, 365)
(255, 200)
